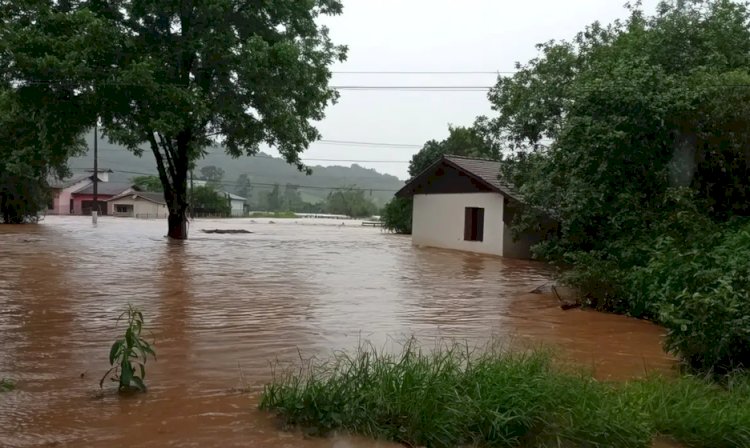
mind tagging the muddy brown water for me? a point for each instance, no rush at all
(221, 309)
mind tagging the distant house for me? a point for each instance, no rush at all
(83, 199)
(139, 204)
(460, 203)
(237, 204)
(61, 201)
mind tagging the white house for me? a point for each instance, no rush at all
(461, 203)
(237, 203)
(138, 204)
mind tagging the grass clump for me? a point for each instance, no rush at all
(6, 385)
(455, 397)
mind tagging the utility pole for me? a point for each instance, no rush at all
(95, 209)
(192, 200)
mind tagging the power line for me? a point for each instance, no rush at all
(302, 158)
(419, 72)
(309, 187)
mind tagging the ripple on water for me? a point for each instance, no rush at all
(221, 309)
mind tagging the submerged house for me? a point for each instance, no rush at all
(461, 203)
(61, 191)
(83, 198)
(139, 204)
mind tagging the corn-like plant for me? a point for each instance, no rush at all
(129, 353)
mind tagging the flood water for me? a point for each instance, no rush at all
(220, 309)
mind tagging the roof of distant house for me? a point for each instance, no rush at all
(234, 196)
(55, 182)
(106, 189)
(485, 172)
(152, 196)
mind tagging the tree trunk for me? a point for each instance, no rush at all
(178, 207)
(178, 225)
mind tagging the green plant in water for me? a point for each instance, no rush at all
(129, 353)
(6, 385)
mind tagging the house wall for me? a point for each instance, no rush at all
(61, 199)
(79, 198)
(141, 208)
(438, 221)
(238, 207)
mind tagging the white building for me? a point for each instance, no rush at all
(139, 204)
(461, 203)
(237, 204)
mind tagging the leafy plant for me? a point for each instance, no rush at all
(6, 385)
(128, 353)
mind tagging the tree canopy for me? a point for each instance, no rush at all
(636, 137)
(177, 76)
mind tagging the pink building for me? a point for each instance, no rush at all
(83, 199)
(62, 190)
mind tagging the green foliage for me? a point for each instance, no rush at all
(453, 396)
(695, 411)
(619, 134)
(212, 175)
(701, 285)
(6, 385)
(350, 202)
(128, 355)
(35, 143)
(397, 215)
(244, 187)
(206, 200)
(178, 77)
(148, 183)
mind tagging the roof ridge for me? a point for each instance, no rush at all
(454, 156)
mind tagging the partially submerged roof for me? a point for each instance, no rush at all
(106, 188)
(482, 175)
(151, 196)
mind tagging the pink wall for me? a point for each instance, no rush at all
(60, 202)
(79, 198)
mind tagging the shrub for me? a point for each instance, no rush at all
(397, 215)
(6, 385)
(703, 292)
(128, 353)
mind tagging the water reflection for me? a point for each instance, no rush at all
(221, 308)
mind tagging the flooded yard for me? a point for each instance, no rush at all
(221, 309)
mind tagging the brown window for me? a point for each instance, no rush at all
(474, 224)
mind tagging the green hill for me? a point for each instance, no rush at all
(263, 170)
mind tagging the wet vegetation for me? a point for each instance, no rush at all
(647, 169)
(6, 385)
(455, 397)
(128, 355)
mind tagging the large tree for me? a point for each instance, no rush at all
(35, 144)
(178, 76)
(603, 127)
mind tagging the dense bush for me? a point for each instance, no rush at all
(397, 215)
(703, 294)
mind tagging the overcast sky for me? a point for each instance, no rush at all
(434, 35)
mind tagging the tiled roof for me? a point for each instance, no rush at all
(65, 183)
(105, 188)
(486, 170)
(152, 196)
